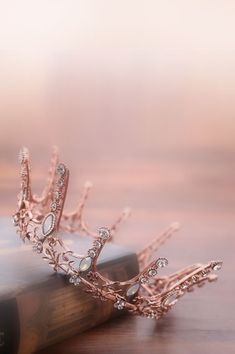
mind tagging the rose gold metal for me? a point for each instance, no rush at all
(40, 220)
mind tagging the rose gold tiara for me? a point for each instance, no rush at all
(40, 220)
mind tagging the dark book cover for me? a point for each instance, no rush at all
(39, 307)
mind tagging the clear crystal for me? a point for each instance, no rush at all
(151, 315)
(120, 304)
(48, 224)
(61, 169)
(195, 278)
(152, 272)
(60, 182)
(85, 264)
(161, 262)
(92, 253)
(171, 299)
(143, 280)
(185, 285)
(97, 244)
(217, 266)
(15, 220)
(38, 247)
(133, 289)
(74, 279)
(53, 206)
(57, 195)
(104, 233)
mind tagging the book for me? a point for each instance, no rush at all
(39, 307)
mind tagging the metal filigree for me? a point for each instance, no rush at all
(41, 219)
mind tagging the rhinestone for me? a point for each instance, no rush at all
(53, 206)
(217, 266)
(48, 224)
(161, 262)
(85, 264)
(171, 299)
(75, 280)
(92, 253)
(152, 272)
(151, 315)
(143, 280)
(120, 304)
(185, 285)
(195, 278)
(97, 244)
(104, 233)
(57, 195)
(38, 247)
(60, 182)
(61, 169)
(15, 220)
(133, 289)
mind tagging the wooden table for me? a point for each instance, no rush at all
(200, 196)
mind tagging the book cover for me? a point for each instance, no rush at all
(39, 307)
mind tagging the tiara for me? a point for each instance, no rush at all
(40, 220)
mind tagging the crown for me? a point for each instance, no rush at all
(40, 220)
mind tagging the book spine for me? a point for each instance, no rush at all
(55, 310)
(9, 327)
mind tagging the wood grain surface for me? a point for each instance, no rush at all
(201, 197)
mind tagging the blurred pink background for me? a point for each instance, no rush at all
(138, 95)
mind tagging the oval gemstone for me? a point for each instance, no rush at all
(171, 299)
(85, 264)
(48, 224)
(133, 289)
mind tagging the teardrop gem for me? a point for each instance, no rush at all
(48, 224)
(171, 299)
(133, 289)
(85, 264)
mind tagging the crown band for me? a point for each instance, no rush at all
(40, 220)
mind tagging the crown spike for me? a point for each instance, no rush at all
(39, 220)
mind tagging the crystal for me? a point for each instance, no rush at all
(195, 278)
(38, 247)
(57, 195)
(60, 182)
(120, 304)
(133, 289)
(53, 206)
(85, 264)
(97, 244)
(74, 279)
(161, 262)
(143, 280)
(185, 285)
(217, 266)
(61, 169)
(104, 233)
(171, 299)
(151, 315)
(152, 272)
(48, 224)
(92, 253)
(15, 220)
